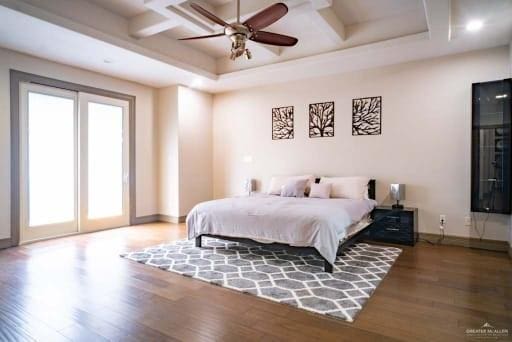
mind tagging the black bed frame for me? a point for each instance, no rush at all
(328, 267)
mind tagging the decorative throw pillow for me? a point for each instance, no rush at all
(347, 187)
(294, 188)
(320, 190)
(277, 182)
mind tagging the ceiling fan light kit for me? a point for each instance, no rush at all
(238, 35)
(239, 32)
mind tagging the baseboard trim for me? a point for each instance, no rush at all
(172, 219)
(492, 245)
(146, 219)
(159, 218)
(5, 243)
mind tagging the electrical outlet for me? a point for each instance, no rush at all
(467, 221)
(442, 220)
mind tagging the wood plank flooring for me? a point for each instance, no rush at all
(78, 288)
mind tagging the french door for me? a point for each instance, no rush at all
(74, 162)
(103, 163)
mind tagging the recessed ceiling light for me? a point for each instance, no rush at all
(474, 25)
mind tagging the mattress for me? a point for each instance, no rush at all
(301, 222)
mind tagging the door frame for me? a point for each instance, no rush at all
(16, 78)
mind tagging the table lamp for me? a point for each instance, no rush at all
(397, 192)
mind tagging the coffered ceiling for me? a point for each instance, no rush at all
(334, 36)
(320, 25)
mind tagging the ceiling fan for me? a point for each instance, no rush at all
(239, 32)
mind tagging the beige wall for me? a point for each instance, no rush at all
(185, 149)
(425, 141)
(145, 129)
(195, 127)
(168, 154)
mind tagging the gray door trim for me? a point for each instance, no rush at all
(5, 243)
(16, 77)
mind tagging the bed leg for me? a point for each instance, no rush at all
(198, 241)
(328, 267)
(342, 248)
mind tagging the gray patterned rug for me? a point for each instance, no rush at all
(294, 278)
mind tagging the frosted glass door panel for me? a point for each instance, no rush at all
(51, 159)
(48, 162)
(105, 160)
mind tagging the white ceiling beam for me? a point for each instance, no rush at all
(330, 24)
(317, 4)
(189, 11)
(149, 23)
(162, 3)
(438, 19)
(247, 8)
(171, 10)
(250, 7)
(166, 14)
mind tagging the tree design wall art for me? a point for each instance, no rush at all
(366, 116)
(282, 123)
(321, 120)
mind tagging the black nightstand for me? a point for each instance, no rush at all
(394, 225)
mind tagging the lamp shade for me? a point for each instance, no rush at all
(397, 192)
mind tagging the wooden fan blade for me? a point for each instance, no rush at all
(209, 15)
(266, 17)
(203, 37)
(273, 38)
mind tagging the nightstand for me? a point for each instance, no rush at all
(394, 225)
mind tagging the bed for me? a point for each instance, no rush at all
(325, 226)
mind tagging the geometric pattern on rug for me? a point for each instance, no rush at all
(295, 278)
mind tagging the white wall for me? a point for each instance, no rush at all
(185, 150)
(146, 202)
(425, 141)
(195, 126)
(168, 153)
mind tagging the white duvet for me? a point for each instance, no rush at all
(302, 222)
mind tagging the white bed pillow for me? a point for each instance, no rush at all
(294, 188)
(347, 187)
(320, 190)
(277, 182)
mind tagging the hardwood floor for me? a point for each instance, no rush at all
(78, 288)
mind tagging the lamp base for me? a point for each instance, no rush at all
(397, 206)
